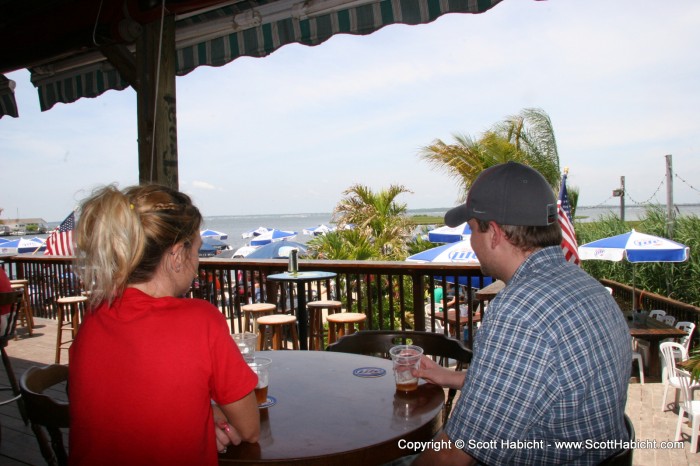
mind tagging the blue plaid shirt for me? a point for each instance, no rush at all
(551, 362)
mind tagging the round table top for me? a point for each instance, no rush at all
(325, 414)
(301, 276)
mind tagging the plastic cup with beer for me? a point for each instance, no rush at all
(246, 342)
(406, 358)
(261, 367)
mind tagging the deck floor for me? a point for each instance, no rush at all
(19, 447)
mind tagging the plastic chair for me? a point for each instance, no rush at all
(378, 343)
(7, 333)
(668, 320)
(637, 356)
(688, 328)
(690, 406)
(656, 314)
(623, 457)
(439, 327)
(47, 414)
(668, 351)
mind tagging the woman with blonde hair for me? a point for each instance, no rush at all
(147, 364)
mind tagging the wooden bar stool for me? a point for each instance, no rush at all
(316, 320)
(68, 314)
(26, 316)
(276, 323)
(344, 323)
(251, 313)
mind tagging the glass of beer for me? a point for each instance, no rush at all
(261, 367)
(246, 342)
(406, 358)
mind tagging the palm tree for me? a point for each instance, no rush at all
(379, 225)
(527, 138)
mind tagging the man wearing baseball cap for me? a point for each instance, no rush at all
(552, 357)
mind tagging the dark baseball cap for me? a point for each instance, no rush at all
(509, 194)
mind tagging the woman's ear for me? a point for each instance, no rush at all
(175, 257)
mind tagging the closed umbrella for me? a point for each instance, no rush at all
(273, 236)
(634, 247)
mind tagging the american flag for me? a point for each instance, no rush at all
(568, 243)
(60, 243)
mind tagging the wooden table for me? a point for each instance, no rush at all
(653, 331)
(452, 320)
(300, 278)
(325, 415)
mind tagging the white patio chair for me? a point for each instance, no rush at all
(636, 356)
(439, 327)
(688, 328)
(669, 320)
(656, 314)
(671, 379)
(690, 406)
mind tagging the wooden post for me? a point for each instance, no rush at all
(156, 109)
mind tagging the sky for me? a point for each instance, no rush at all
(290, 132)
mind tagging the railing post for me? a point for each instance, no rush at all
(418, 307)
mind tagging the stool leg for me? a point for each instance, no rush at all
(331, 332)
(295, 337)
(276, 337)
(59, 332)
(27, 310)
(261, 337)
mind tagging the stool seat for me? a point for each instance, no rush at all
(277, 323)
(25, 316)
(252, 312)
(68, 315)
(325, 303)
(344, 323)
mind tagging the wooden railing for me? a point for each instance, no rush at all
(393, 295)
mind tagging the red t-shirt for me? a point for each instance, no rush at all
(142, 375)
(5, 286)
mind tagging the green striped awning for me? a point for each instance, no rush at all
(217, 37)
(8, 105)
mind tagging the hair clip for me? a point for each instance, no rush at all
(131, 206)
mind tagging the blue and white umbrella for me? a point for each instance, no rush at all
(447, 234)
(257, 232)
(277, 250)
(213, 234)
(21, 245)
(460, 252)
(318, 230)
(634, 247)
(273, 236)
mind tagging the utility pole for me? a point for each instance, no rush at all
(620, 192)
(670, 212)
